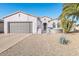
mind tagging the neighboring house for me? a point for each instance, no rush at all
(77, 27)
(73, 29)
(55, 25)
(20, 22)
(50, 25)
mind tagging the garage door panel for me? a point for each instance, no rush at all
(30, 27)
(20, 27)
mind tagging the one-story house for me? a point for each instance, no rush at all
(20, 22)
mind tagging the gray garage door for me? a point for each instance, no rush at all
(20, 27)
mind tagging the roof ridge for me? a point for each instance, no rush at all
(18, 12)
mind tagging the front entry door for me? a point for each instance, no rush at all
(44, 27)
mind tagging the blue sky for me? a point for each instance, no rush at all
(52, 10)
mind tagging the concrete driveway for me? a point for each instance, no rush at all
(45, 45)
(8, 40)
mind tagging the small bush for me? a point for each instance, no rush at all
(63, 40)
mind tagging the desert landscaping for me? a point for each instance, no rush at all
(44, 44)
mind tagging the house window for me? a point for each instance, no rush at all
(54, 26)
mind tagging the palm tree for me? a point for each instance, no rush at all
(70, 12)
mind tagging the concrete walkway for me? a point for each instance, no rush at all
(8, 40)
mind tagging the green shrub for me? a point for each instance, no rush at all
(63, 40)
